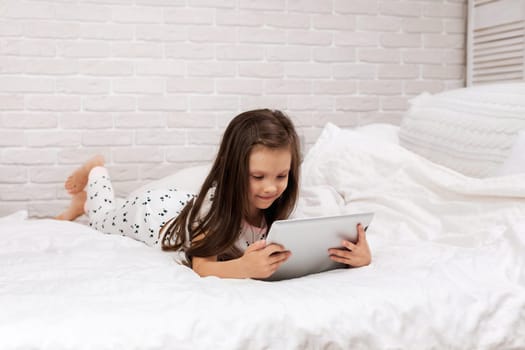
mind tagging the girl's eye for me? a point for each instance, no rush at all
(257, 177)
(282, 176)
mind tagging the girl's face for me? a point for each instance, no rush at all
(268, 173)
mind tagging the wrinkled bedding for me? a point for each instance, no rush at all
(447, 271)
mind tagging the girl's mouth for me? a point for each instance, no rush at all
(266, 198)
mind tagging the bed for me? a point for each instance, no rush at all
(448, 269)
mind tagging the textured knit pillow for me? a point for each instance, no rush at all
(470, 130)
(515, 163)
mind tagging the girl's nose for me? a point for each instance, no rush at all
(270, 188)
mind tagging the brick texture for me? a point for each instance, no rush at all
(151, 84)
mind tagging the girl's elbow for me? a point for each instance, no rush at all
(200, 272)
(197, 268)
(202, 267)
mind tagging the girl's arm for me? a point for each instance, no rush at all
(258, 261)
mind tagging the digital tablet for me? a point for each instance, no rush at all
(309, 240)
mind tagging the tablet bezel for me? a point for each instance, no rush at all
(309, 240)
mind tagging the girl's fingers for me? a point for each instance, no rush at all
(256, 245)
(279, 258)
(346, 261)
(273, 248)
(361, 234)
(348, 245)
(345, 254)
(351, 260)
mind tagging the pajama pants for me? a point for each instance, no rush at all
(140, 216)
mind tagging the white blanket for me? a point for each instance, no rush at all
(447, 271)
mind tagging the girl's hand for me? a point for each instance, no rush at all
(261, 261)
(355, 255)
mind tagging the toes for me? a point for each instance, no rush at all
(69, 183)
(71, 188)
(73, 185)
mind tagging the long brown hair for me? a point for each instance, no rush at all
(229, 176)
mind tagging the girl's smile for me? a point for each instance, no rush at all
(268, 198)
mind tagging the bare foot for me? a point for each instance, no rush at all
(78, 180)
(75, 209)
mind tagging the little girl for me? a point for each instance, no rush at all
(253, 182)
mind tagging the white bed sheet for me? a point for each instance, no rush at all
(447, 271)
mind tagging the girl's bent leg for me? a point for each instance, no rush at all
(139, 217)
(75, 185)
(75, 209)
(143, 215)
(78, 179)
(100, 198)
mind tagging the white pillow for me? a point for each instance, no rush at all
(188, 179)
(515, 163)
(380, 132)
(470, 130)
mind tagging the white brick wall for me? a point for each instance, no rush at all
(151, 84)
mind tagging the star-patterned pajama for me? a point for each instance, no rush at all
(140, 216)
